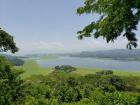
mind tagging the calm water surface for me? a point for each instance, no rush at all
(92, 63)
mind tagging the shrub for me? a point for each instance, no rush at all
(105, 72)
(11, 86)
(65, 68)
(119, 83)
(114, 98)
(69, 94)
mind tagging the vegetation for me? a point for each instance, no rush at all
(7, 42)
(86, 71)
(64, 87)
(60, 88)
(16, 61)
(31, 67)
(65, 68)
(11, 86)
(116, 19)
(119, 54)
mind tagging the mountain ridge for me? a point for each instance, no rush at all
(119, 54)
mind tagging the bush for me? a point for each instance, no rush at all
(39, 91)
(105, 72)
(119, 83)
(108, 83)
(114, 98)
(61, 88)
(72, 82)
(69, 94)
(11, 86)
(65, 68)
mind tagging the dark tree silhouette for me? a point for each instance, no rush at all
(7, 42)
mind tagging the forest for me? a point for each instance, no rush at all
(64, 87)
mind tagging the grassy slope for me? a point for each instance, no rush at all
(31, 67)
(84, 71)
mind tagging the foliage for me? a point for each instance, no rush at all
(114, 98)
(116, 18)
(17, 62)
(107, 72)
(7, 42)
(31, 67)
(65, 68)
(69, 94)
(62, 88)
(11, 86)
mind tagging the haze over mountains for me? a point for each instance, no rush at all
(120, 54)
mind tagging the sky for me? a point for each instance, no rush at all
(50, 26)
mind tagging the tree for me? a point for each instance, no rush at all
(65, 68)
(7, 42)
(11, 86)
(117, 18)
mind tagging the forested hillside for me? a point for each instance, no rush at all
(122, 54)
(15, 60)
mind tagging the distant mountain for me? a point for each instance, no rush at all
(15, 60)
(121, 54)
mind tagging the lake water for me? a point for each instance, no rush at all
(92, 63)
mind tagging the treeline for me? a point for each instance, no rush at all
(66, 88)
(15, 60)
(120, 54)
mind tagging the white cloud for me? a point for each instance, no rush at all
(88, 44)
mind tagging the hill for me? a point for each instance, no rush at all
(120, 54)
(15, 60)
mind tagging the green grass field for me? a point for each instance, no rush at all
(85, 71)
(31, 67)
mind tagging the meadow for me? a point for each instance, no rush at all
(31, 67)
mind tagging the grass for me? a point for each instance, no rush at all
(31, 67)
(85, 71)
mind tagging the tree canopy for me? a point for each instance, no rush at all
(11, 86)
(117, 18)
(7, 42)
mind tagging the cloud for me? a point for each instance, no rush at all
(66, 46)
(39, 47)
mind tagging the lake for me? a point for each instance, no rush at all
(106, 64)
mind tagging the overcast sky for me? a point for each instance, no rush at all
(50, 26)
